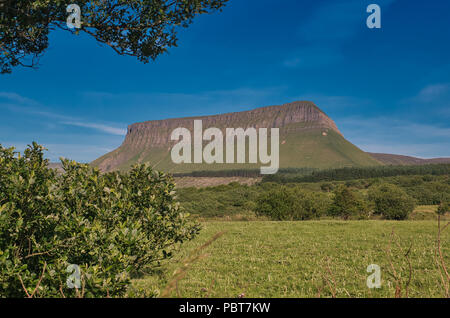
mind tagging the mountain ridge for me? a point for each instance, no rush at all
(402, 160)
(295, 112)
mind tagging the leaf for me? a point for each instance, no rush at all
(3, 207)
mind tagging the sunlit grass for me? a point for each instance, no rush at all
(288, 259)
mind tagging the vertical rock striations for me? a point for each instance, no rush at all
(157, 132)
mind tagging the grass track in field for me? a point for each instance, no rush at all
(286, 259)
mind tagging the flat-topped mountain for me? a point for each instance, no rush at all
(308, 138)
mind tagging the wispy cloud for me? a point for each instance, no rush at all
(14, 97)
(389, 135)
(433, 94)
(24, 105)
(434, 98)
(99, 127)
(17, 103)
(173, 104)
(398, 126)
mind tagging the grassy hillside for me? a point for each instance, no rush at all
(291, 259)
(298, 149)
(314, 150)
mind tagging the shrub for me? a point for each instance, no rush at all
(110, 225)
(347, 204)
(310, 205)
(278, 204)
(293, 204)
(391, 201)
(225, 200)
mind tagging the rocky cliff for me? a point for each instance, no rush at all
(157, 132)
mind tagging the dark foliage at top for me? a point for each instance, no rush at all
(141, 28)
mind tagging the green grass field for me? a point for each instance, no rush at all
(289, 259)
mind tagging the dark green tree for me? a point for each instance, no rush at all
(347, 204)
(391, 201)
(278, 204)
(141, 28)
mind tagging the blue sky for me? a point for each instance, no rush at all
(387, 89)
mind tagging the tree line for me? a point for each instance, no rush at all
(352, 173)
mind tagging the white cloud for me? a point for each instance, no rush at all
(195, 104)
(24, 105)
(397, 136)
(434, 98)
(433, 93)
(14, 97)
(103, 128)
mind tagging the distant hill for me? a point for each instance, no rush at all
(308, 138)
(399, 160)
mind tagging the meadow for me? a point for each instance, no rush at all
(324, 258)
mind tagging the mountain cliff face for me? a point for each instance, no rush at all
(157, 133)
(308, 138)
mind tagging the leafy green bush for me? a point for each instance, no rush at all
(391, 201)
(348, 204)
(310, 205)
(292, 204)
(224, 200)
(277, 204)
(111, 226)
